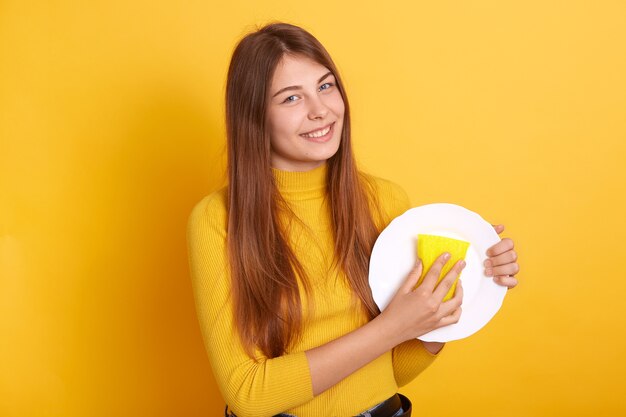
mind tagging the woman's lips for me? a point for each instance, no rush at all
(320, 135)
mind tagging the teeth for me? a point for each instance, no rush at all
(318, 133)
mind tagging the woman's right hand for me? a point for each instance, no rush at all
(413, 311)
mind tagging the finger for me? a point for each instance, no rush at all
(506, 281)
(458, 293)
(508, 269)
(452, 308)
(446, 283)
(452, 318)
(507, 257)
(432, 276)
(411, 280)
(455, 302)
(502, 246)
(499, 228)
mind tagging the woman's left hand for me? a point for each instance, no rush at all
(502, 263)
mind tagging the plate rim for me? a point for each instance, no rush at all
(451, 332)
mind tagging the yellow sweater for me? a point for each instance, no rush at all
(269, 386)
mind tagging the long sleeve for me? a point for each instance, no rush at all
(409, 360)
(261, 386)
(251, 387)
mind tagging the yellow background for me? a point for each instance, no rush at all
(111, 129)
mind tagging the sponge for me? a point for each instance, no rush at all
(430, 247)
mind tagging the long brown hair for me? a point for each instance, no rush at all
(263, 267)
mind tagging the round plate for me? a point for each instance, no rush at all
(394, 255)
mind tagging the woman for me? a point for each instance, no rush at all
(279, 258)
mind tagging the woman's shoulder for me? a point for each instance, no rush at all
(387, 188)
(211, 210)
(390, 197)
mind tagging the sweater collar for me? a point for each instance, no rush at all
(311, 182)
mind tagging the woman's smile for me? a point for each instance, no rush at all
(321, 135)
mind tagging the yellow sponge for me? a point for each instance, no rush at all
(429, 247)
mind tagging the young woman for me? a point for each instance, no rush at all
(279, 258)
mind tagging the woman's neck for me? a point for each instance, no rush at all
(311, 182)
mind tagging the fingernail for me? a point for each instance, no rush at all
(462, 264)
(488, 272)
(487, 263)
(446, 256)
(419, 261)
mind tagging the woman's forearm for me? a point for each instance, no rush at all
(411, 312)
(335, 360)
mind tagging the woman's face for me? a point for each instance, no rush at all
(304, 114)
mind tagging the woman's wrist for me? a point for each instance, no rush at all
(433, 347)
(390, 330)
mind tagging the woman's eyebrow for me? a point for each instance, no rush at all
(298, 87)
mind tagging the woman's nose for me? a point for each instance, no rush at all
(317, 109)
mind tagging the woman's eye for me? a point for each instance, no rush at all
(326, 86)
(290, 99)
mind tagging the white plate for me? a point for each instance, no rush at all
(394, 254)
